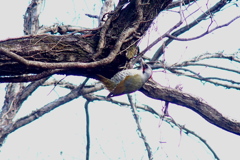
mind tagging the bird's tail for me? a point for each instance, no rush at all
(110, 85)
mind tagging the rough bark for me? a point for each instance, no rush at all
(84, 54)
(153, 90)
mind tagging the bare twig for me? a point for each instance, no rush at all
(187, 131)
(167, 119)
(139, 128)
(158, 40)
(205, 79)
(182, 19)
(232, 57)
(205, 33)
(182, 69)
(87, 130)
(92, 16)
(209, 65)
(210, 12)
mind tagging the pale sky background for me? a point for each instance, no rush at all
(61, 133)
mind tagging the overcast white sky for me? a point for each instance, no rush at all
(63, 130)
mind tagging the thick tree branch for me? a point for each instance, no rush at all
(179, 3)
(155, 91)
(96, 51)
(64, 65)
(25, 78)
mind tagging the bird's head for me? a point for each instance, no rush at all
(146, 71)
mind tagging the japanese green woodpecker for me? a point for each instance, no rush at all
(127, 81)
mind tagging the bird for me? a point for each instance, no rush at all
(127, 81)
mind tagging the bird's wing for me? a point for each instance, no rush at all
(125, 86)
(120, 88)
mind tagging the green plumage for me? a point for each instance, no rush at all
(126, 81)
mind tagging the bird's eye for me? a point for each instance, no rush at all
(144, 68)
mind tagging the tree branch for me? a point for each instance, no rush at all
(139, 128)
(87, 130)
(64, 65)
(146, 108)
(203, 34)
(214, 9)
(232, 57)
(75, 93)
(179, 3)
(31, 17)
(107, 7)
(206, 79)
(104, 47)
(187, 131)
(153, 90)
(64, 29)
(26, 78)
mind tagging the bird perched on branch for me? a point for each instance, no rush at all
(127, 81)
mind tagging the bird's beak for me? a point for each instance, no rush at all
(143, 64)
